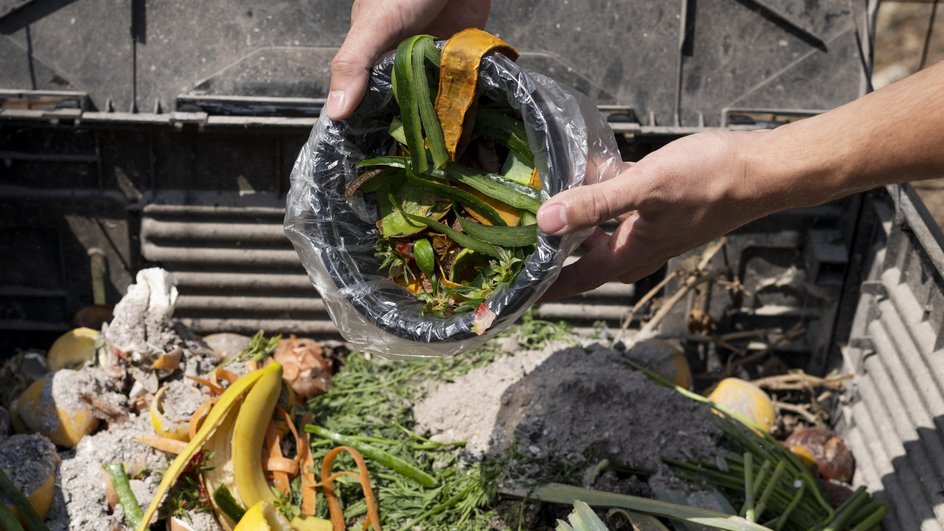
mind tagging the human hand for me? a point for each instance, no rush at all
(378, 26)
(676, 198)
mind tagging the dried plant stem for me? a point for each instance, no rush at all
(799, 410)
(695, 278)
(800, 381)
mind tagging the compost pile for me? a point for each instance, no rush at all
(230, 432)
(103, 418)
(144, 425)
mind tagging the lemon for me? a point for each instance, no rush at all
(747, 400)
(72, 349)
(51, 406)
(39, 453)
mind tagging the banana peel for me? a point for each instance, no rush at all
(263, 517)
(231, 433)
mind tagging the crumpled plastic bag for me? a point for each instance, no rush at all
(572, 145)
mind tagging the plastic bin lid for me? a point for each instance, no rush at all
(674, 63)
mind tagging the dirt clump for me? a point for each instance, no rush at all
(567, 406)
(182, 399)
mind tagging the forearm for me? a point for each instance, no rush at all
(893, 135)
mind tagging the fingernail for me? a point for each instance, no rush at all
(335, 104)
(552, 218)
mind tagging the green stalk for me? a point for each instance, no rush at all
(404, 91)
(496, 187)
(566, 494)
(748, 510)
(761, 476)
(503, 236)
(27, 513)
(390, 160)
(771, 486)
(499, 127)
(873, 519)
(791, 507)
(388, 460)
(119, 482)
(463, 240)
(7, 520)
(438, 508)
(846, 512)
(433, 54)
(431, 125)
(459, 196)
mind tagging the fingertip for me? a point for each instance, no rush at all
(552, 218)
(350, 74)
(335, 105)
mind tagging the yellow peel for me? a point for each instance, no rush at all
(41, 498)
(249, 436)
(747, 400)
(220, 466)
(168, 362)
(458, 76)
(72, 349)
(262, 516)
(164, 428)
(37, 410)
(228, 403)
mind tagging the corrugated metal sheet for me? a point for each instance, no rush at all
(237, 272)
(894, 421)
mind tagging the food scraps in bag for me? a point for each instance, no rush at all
(458, 193)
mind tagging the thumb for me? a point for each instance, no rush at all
(590, 205)
(350, 70)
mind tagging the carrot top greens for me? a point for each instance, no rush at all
(457, 192)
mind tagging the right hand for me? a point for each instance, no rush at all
(378, 26)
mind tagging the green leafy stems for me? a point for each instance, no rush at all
(452, 231)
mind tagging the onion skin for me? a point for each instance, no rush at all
(825, 450)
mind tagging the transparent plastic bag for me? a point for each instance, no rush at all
(572, 145)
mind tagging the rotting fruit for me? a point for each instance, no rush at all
(51, 407)
(747, 400)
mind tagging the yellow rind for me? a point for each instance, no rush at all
(41, 498)
(37, 410)
(228, 402)
(262, 516)
(249, 436)
(177, 431)
(747, 400)
(72, 349)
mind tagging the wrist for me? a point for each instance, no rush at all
(793, 166)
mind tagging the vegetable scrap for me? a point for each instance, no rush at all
(223, 458)
(457, 192)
